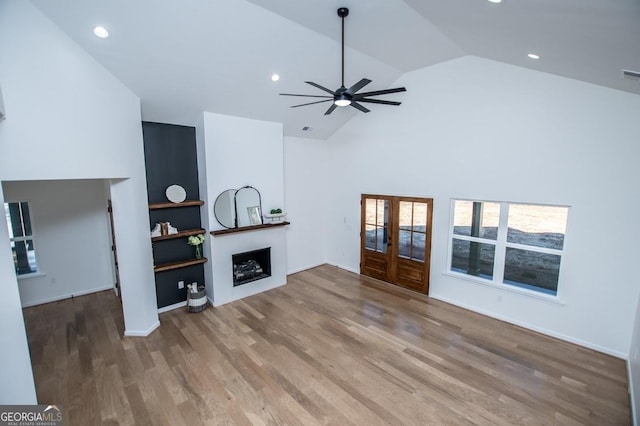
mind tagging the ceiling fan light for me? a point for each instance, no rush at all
(341, 97)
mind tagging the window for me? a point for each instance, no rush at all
(21, 237)
(512, 244)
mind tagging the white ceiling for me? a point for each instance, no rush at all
(185, 57)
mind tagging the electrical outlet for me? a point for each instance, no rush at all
(180, 285)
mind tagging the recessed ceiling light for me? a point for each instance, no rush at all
(533, 56)
(495, 1)
(275, 77)
(101, 32)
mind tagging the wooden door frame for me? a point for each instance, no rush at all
(114, 251)
(427, 250)
(391, 256)
(387, 277)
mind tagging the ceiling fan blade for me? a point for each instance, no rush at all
(331, 108)
(359, 107)
(308, 96)
(378, 92)
(351, 94)
(359, 85)
(311, 103)
(378, 101)
(320, 87)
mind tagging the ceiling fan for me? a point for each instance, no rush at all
(343, 96)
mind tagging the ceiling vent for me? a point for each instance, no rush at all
(631, 74)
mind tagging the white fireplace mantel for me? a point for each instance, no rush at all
(225, 246)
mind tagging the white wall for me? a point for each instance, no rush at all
(70, 225)
(306, 167)
(478, 129)
(205, 218)
(68, 118)
(633, 366)
(15, 360)
(239, 152)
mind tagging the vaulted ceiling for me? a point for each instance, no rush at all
(185, 57)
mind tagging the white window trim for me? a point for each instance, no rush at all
(39, 272)
(501, 245)
(31, 275)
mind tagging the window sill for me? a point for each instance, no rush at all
(508, 288)
(31, 275)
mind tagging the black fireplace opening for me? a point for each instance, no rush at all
(251, 266)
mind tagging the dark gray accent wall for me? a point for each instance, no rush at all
(171, 159)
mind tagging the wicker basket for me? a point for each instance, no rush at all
(197, 302)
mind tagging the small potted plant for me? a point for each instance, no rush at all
(275, 216)
(196, 241)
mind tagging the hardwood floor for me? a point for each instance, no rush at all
(328, 348)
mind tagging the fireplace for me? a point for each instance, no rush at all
(251, 266)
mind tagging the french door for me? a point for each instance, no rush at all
(395, 240)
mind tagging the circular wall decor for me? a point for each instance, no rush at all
(176, 194)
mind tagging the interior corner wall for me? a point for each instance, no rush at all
(205, 219)
(633, 366)
(305, 187)
(478, 129)
(71, 232)
(69, 118)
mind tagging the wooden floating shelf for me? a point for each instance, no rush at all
(249, 228)
(169, 205)
(177, 265)
(181, 234)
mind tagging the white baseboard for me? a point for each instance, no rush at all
(144, 333)
(295, 271)
(65, 296)
(541, 330)
(346, 268)
(172, 307)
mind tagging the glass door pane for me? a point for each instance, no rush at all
(376, 224)
(412, 230)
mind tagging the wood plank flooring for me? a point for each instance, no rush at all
(329, 348)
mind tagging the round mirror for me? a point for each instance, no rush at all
(248, 207)
(224, 208)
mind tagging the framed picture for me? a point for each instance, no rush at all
(254, 215)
